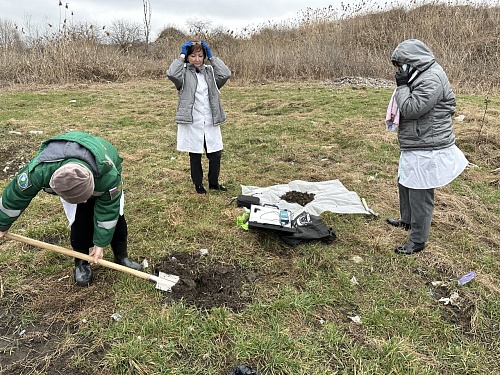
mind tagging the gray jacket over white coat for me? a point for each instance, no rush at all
(183, 75)
(427, 103)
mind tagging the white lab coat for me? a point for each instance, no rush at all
(190, 137)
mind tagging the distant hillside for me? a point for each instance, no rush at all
(324, 44)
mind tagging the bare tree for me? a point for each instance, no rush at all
(85, 31)
(198, 28)
(125, 34)
(146, 4)
(10, 36)
(30, 32)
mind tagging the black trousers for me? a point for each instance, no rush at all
(82, 230)
(213, 167)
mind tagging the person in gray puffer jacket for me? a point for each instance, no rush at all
(429, 157)
(199, 110)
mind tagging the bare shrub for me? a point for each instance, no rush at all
(320, 44)
(10, 37)
(125, 34)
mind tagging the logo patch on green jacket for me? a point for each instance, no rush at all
(115, 192)
(23, 181)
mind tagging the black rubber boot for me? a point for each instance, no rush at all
(83, 272)
(121, 256)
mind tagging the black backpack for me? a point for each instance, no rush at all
(309, 227)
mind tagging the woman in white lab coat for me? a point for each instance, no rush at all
(199, 111)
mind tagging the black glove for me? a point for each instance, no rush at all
(402, 77)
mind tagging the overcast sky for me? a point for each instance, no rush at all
(230, 14)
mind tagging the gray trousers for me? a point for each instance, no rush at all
(416, 207)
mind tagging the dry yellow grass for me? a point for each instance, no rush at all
(321, 44)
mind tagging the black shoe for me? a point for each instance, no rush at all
(83, 272)
(410, 248)
(399, 223)
(200, 189)
(217, 187)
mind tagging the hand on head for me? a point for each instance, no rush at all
(207, 49)
(185, 47)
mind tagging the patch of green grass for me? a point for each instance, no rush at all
(304, 299)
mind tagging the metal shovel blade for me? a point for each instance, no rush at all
(164, 281)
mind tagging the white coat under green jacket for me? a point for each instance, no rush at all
(97, 154)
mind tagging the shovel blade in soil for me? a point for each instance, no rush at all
(164, 281)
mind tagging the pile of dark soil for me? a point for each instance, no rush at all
(205, 284)
(298, 197)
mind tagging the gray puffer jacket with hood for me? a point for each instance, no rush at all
(427, 103)
(183, 75)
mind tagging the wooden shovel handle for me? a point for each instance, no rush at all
(75, 254)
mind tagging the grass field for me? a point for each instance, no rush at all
(296, 305)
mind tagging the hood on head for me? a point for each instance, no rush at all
(415, 53)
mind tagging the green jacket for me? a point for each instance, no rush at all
(100, 156)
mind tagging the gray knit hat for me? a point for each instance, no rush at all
(73, 182)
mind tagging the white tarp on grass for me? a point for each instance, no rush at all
(328, 196)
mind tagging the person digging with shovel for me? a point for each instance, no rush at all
(85, 172)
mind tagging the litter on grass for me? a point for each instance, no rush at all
(356, 319)
(116, 317)
(357, 259)
(439, 283)
(203, 252)
(466, 278)
(461, 281)
(451, 300)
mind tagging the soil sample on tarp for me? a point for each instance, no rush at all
(301, 198)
